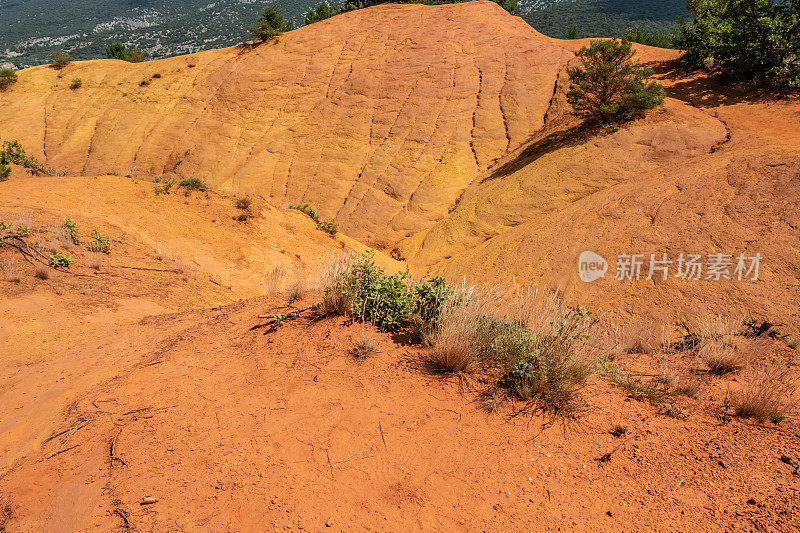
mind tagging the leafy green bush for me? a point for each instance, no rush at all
(5, 172)
(100, 243)
(270, 24)
(72, 229)
(165, 187)
(7, 78)
(23, 230)
(193, 184)
(59, 59)
(60, 260)
(305, 208)
(610, 87)
(756, 41)
(388, 301)
(76, 84)
(14, 154)
(328, 226)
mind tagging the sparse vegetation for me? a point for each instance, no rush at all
(305, 208)
(610, 87)
(768, 393)
(328, 226)
(72, 230)
(243, 203)
(364, 347)
(59, 59)
(100, 243)
(76, 84)
(270, 24)
(164, 187)
(41, 272)
(5, 172)
(193, 184)
(58, 259)
(7, 78)
(721, 357)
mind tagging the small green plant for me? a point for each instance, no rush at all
(278, 320)
(193, 184)
(305, 208)
(165, 186)
(7, 78)
(59, 59)
(72, 229)
(328, 226)
(241, 217)
(144, 83)
(76, 84)
(5, 172)
(23, 230)
(58, 259)
(99, 242)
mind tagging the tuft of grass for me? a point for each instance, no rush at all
(364, 348)
(76, 84)
(41, 272)
(243, 203)
(242, 217)
(296, 290)
(72, 231)
(95, 261)
(619, 430)
(722, 358)
(769, 393)
(193, 184)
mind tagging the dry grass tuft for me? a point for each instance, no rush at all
(458, 343)
(273, 280)
(11, 271)
(329, 279)
(721, 357)
(364, 348)
(95, 260)
(42, 272)
(63, 236)
(769, 393)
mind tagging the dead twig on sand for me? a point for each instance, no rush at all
(59, 452)
(277, 320)
(112, 449)
(124, 515)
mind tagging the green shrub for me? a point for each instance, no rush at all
(756, 41)
(328, 226)
(72, 229)
(270, 24)
(7, 78)
(5, 172)
(76, 84)
(14, 154)
(23, 230)
(59, 59)
(99, 242)
(193, 184)
(388, 301)
(304, 208)
(610, 87)
(165, 187)
(60, 260)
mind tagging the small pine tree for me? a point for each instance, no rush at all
(270, 24)
(610, 87)
(59, 59)
(116, 51)
(7, 78)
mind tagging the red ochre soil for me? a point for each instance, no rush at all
(437, 135)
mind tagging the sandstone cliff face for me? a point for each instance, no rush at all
(379, 118)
